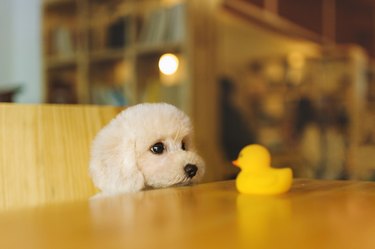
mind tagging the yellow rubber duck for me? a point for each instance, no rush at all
(257, 176)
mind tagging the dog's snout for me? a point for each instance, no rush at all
(191, 170)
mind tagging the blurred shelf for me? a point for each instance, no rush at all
(158, 48)
(58, 3)
(115, 41)
(57, 62)
(47, 2)
(106, 55)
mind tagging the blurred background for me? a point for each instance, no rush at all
(295, 76)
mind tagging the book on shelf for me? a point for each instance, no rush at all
(117, 32)
(164, 25)
(177, 23)
(62, 41)
(61, 92)
(153, 29)
(108, 95)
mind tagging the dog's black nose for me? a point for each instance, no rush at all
(191, 170)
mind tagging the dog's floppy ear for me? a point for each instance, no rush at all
(113, 165)
(131, 178)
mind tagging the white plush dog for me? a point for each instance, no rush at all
(147, 145)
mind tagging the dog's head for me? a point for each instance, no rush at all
(147, 145)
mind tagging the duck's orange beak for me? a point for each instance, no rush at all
(235, 163)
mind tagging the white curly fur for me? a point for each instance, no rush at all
(121, 158)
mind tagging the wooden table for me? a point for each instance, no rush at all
(314, 214)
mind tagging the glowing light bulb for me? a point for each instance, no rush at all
(168, 64)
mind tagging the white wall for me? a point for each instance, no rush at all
(20, 47)
(5, 41)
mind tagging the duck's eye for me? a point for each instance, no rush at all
(183, 145)
(157, 148)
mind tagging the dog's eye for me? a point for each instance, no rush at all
(157, 148)
(183, 145)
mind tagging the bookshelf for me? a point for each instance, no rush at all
(107, 52)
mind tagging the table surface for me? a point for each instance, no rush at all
(313, 214)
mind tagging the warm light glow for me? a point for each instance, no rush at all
(168, 64)
(296, 60)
